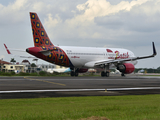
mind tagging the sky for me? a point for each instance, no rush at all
(130, 24)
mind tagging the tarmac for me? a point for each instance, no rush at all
(38, 87)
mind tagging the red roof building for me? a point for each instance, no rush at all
(4, 62)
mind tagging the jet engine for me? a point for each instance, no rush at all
(82, 70)
(126, 68)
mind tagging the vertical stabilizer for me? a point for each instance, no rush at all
(40, 36)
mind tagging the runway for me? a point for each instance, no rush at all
(33, 87)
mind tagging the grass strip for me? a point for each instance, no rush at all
(135, 107)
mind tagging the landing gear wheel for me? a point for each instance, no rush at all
(122, 75)
(107, 74)
(102, 74)
(72, 73)
(76, 74)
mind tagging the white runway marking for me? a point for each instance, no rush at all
(78, 90)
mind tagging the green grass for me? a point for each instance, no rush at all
(136, 107)
(149, 75)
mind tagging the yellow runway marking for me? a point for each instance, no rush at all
(46, 81)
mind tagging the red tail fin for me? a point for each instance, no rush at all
(40, 36)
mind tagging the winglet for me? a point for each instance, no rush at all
(7, 49)
(154, 49)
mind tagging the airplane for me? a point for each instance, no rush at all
(59, 70)
(80, 59)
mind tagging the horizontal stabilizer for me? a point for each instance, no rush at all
(48, 51)
(7, 49)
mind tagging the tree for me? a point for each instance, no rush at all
(13, 60)
(42, 73)
(33, 65)
(158, 68)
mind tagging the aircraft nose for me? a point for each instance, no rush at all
(27, 50)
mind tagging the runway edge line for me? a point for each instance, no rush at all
(76, 90)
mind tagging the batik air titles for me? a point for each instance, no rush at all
(79, 59)
(117, 54)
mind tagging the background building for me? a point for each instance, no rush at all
(2, 63)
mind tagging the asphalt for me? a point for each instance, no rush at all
(36, 87)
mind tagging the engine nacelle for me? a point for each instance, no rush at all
(126, 68)
(82, 70)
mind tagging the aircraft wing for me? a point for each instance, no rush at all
(127, 59)
(8, 51)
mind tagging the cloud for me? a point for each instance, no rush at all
(99, 8)
(134, 25)
(99, 20)
(50, 22)
(18, 5)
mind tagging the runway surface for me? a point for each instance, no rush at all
(33, 87)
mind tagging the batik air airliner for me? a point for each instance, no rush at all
(80, 59)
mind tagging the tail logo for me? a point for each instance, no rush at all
(42, 33)
(36, 40)
(39, 34)
(47, 42)
(38, 26)
(44, 48)
(33, 16)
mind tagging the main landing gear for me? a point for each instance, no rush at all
(104, 74)
(123, 75)
(74, 72)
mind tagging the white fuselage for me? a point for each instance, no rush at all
(80, 56)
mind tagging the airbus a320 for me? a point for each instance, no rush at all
(80, 59)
